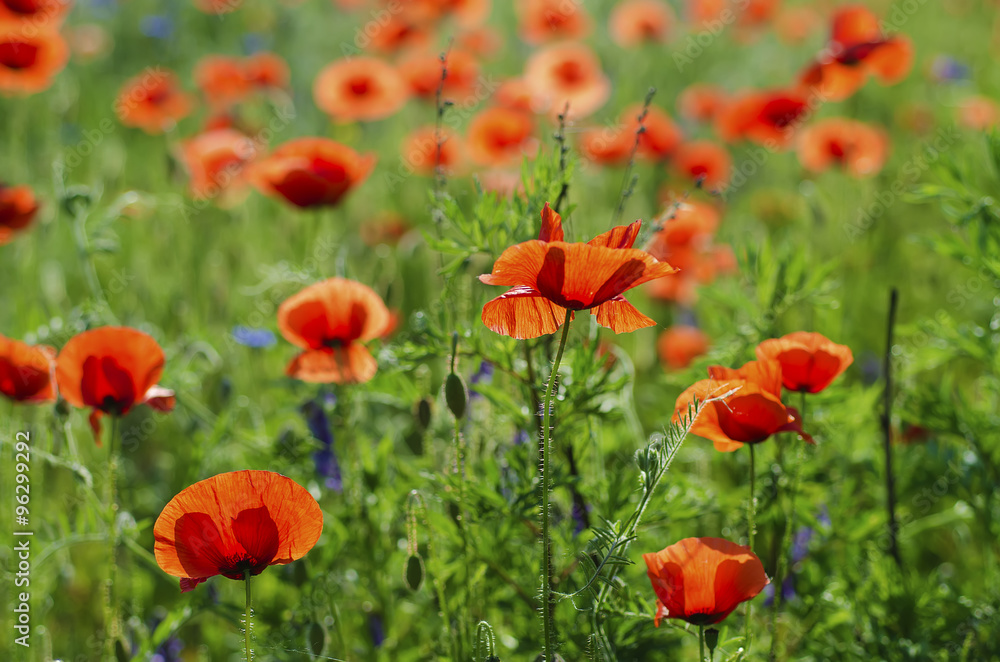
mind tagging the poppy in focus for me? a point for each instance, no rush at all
(567, 73)
(681, 344)
(234, 523)
(26, 371)
(311, 172)
(809, 361)
(856, 147)
(112, 369)
(549, 276)
(360, 89)
(702, 580)
(331, 320)
(29, 59)
(153, 101)
(18, 208)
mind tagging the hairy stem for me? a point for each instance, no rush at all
(110, 603)
(248, 619)
(751, 511)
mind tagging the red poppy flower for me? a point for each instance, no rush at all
(636, 22)
(402, 30)
(218, 6)
(18, 208)
(29, 59)
(420, 150)
(757, 12)
(423, 74)
(681, 344)
(660, 136)
(549, 276)
(26, 371)
(515, 94)
(311, 172)
(501, 137)
(704, 161)
(550, 20)
(266, 70)
(216, 161)
(40, 14)
(978, 113)
(703, 11)
(567, 73)
(749, 415)
(795, 24)
(484, 41)
(702, 580)
(856, 147)
(222, 80)
(360, 89)
(330, 320)
(607, 146)
(233, 523)
(701, 102)
(767, 118)
(809, 361)
(112, 369)
(153, 101)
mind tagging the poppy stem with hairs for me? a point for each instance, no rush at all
(110, 603)
(248, 619)
(546, 451)
(751, 511)
(890, 481)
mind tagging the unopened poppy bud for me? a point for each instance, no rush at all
(456, 395)
(414, 575)
(422, 412)
(711, 639)
(317, 638)
(77, 199)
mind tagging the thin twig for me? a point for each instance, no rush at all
(628, 181)
(890, 481)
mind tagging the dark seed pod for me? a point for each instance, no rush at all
(711, 638)
(316, 638)
(456, 395)
(414, 576)
(422, 412)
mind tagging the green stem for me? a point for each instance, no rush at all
(751, 510)
(110, 603)
(547, 620)
(701, 643)
(460, 463)
(248, 620)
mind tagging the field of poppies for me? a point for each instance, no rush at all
(608, 330)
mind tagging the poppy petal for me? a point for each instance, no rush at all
(621, 236)
(257, 533)
(351, 364)
(188, 583)
(518, 265)
(160, 399)
(620, 316)
(552, 229)
(523, 313)
(200, 548)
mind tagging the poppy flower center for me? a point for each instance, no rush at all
(18, 55)
(571, 73)
(158, 95)
(360, 85)
(782, 112)
(23, 6)
(838, 150)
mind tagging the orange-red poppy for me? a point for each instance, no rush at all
(39, 14)
(703, 11)
(216, 162)
(112, 369)
(681, 344)
(636, 22)
(501, 137)
(549, 276)
(222, 79)
(153, 101)
(702, 580)
(515, 94)
(551, 20)
(564, 74)
(422, 152)
(660, 136)
(401, 30)
(18, 208)
(757, 12)
(360, 88)
(703, 161)
(483, 41)
(267, 70)
(607, 146)
(794, 25)
(331, 320)
(854, 24)
(685, 241)
(751, 410)
(311, 172)
(701, 102)
(978, 112)
(856, 147)
(234, 523)
(809, 361)
(768, 117)
(423, 74)
(26, 371)
(29, 59)
(218, 6)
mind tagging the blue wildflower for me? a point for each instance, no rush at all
(157, 27)
(252, 337)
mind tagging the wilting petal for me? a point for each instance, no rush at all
(620, 316)
(352, 364)
(523, 313)
(188, 584)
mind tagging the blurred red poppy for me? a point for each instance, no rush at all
(702, 580)
(267, 70)
(568, 73)
(216, 162)
(112, 369)
(423, 74)
(636, 22)
(39, 14)
(549, 276)
(420, 150)
(501, 137)
(703, 161)
(29, 59)
(26, 371)
(681, 344)
(809, 361)
(222, 79)
(794, 25)
(607, 146)
(768, 117)
(701, 102)
(856, 147)
(18, 208)
(484, 42)
(551, 20)
(311, 172)
(330, 320)
(660, 135)
(978, 112)
(153, 101)
(235, 523)
(360, 89)
(750, 414)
